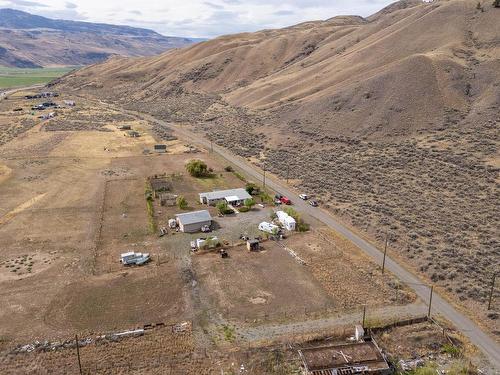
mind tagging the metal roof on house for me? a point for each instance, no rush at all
(194, 217)
(239, 193)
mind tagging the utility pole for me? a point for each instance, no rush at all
(211, 146)
(430, 302)
(78, 354)
(364, 316)
(491, 291)
(385, 251)
(287, 172)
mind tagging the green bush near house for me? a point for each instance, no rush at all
(224, 208)
(181, 202)
(249, 203)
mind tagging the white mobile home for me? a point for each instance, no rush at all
(234, 197)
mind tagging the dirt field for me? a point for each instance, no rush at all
(73, 199)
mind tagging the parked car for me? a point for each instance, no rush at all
(285, 200)
(304, 196)
(313, 203)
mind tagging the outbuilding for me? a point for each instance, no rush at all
(253, 245)
(234, 197)
(192, 222)
(160, 149)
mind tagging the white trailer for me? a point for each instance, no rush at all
(286, 220)
(132, 258)
(269, 227)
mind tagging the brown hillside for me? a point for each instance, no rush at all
(392, 121)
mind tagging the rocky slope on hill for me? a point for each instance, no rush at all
(392, 121)
(29, 41)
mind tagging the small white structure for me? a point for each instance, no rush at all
(132, 258)
(70, 103)
(234, 197)
(286, 220)
(268, 227)
(209, 242)
(359, 333)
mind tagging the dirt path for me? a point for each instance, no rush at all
(10, 215)
(274, 331)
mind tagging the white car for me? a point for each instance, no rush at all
(304, 196)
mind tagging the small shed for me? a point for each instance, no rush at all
(161, 149)
(133, 134)
(192, 222)
(253, 245)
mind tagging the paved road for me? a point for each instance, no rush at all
(8, 92)
(483, 341)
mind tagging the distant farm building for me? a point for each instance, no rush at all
(234, 197)
(192, 222)
(161, 149)
(133, 134)
(69, 103)
(345, 359)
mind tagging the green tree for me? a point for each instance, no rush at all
(181, 202)
(252, 188)
(249, 203)
(496, 3)
(223, 207)
(197, 168)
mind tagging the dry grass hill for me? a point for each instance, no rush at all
(391, 120)
(30, 41)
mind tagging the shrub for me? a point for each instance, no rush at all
(197, 168)
(252, 188)
(244, 209)
(240, 176)
(265, 197)
(452, 350)
(229, 169)
(224, 208)
(249, 203)
(181, 202)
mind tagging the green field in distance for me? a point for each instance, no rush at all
(18, 77)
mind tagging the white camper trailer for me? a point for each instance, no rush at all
(269, 228)
(286, 220)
